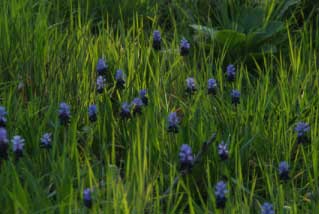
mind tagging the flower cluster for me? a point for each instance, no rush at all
(173, 122)
(220, 194)
(186, 157)
(302, 129)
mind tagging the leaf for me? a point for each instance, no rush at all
(204, 30)
(284, 7)
(251, 19)
(231, 38)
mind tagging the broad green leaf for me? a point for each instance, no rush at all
(230, 38)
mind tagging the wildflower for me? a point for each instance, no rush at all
(190, 85)
(267, 208)
(100, 84)
(186, 157)
(223, 151)
(87, 198)
(101, 67)
(92, 111)
(235, 97)
(283, 170)
(220, 194)
(137, 104)
(143, 96)
(231, 73)
(18, 144)
(3, 114)
(64, 114)
(125, 110)
(173, 122)
(157, 40)
(302, 129)
(3, 144)
(46, 141)
(212, 86)
(120, 79)
(184, 47)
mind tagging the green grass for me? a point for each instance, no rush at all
(52, 50)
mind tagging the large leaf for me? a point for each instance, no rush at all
(251, 19)
(204, 30)
(230, 38)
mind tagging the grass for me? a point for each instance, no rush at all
(52, 53)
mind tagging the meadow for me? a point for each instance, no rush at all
(195, 106)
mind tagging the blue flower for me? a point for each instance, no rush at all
(157, 40)
(101, 67)
(143, 96)
(283, 169)
(173, 122)
(64, 113)
(100, 84)
(235, 97)
(125, 110)
(223, 151)
(302, 129)
(186, 157)
(3, 144)
(92, 111)
(3, 114)
(137, 104)
(184, 47)
(46, 140)
(267, 208)
(220, 194)
(120, 79)
(231, 73)
(87, 198)
(17, 146)
(190, 85)
(212, 86)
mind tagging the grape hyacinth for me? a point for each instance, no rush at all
(220, 194)
(190, 85)
(3, 144)
(157, 40)
(137, 104)
(87, 198)
(143, 96)
(3, 114)
(186, 157)
(283, 169)
(267, 208)
(101, 67)
(212, 86)
(173, 122)
(64, 113)
(223, 150)
(184, 47)
(100, 84)
(120, 79)
(18, 144)
(231, 73)
(125, 110)
(92, 111)
(235, 97)
(302, 129)
(46, 141)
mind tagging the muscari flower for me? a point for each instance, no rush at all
(220, 194)
(137, 104)
(143, 96)
(223, 150)
(190, 85)
(283, 169)
(235, 97)
(87, 198)
(186, 157)
(302, 129)
(125, 110)
(3, 144)
(231, 73)
(157, 40)
(267, 208)
(120, 79)
(173, 122)
(64, 114)
(3, 114)
(92, 111)
(184, 47)
(18, 144)
(101, 67)
(100, 84)
(46, 140)
(212, 86)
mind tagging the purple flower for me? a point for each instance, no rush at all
(212, 86)
(302, 129)
(173, 122)
(46, 140)
(3, 144)
(92, 111)
(267, 208)
(3, 114)
(137, 104)
(220, 194)
(100, 84)
(157, 40)
(87, 198)
(120, 79)
(143, 96)
(184, 47)
(235, 97)
(17, 146)
(283, 169)
(231, 73)
(101, 67)
(186, 157)
(190, 85)
(64, 113)
(125, 110)
(223, 151)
